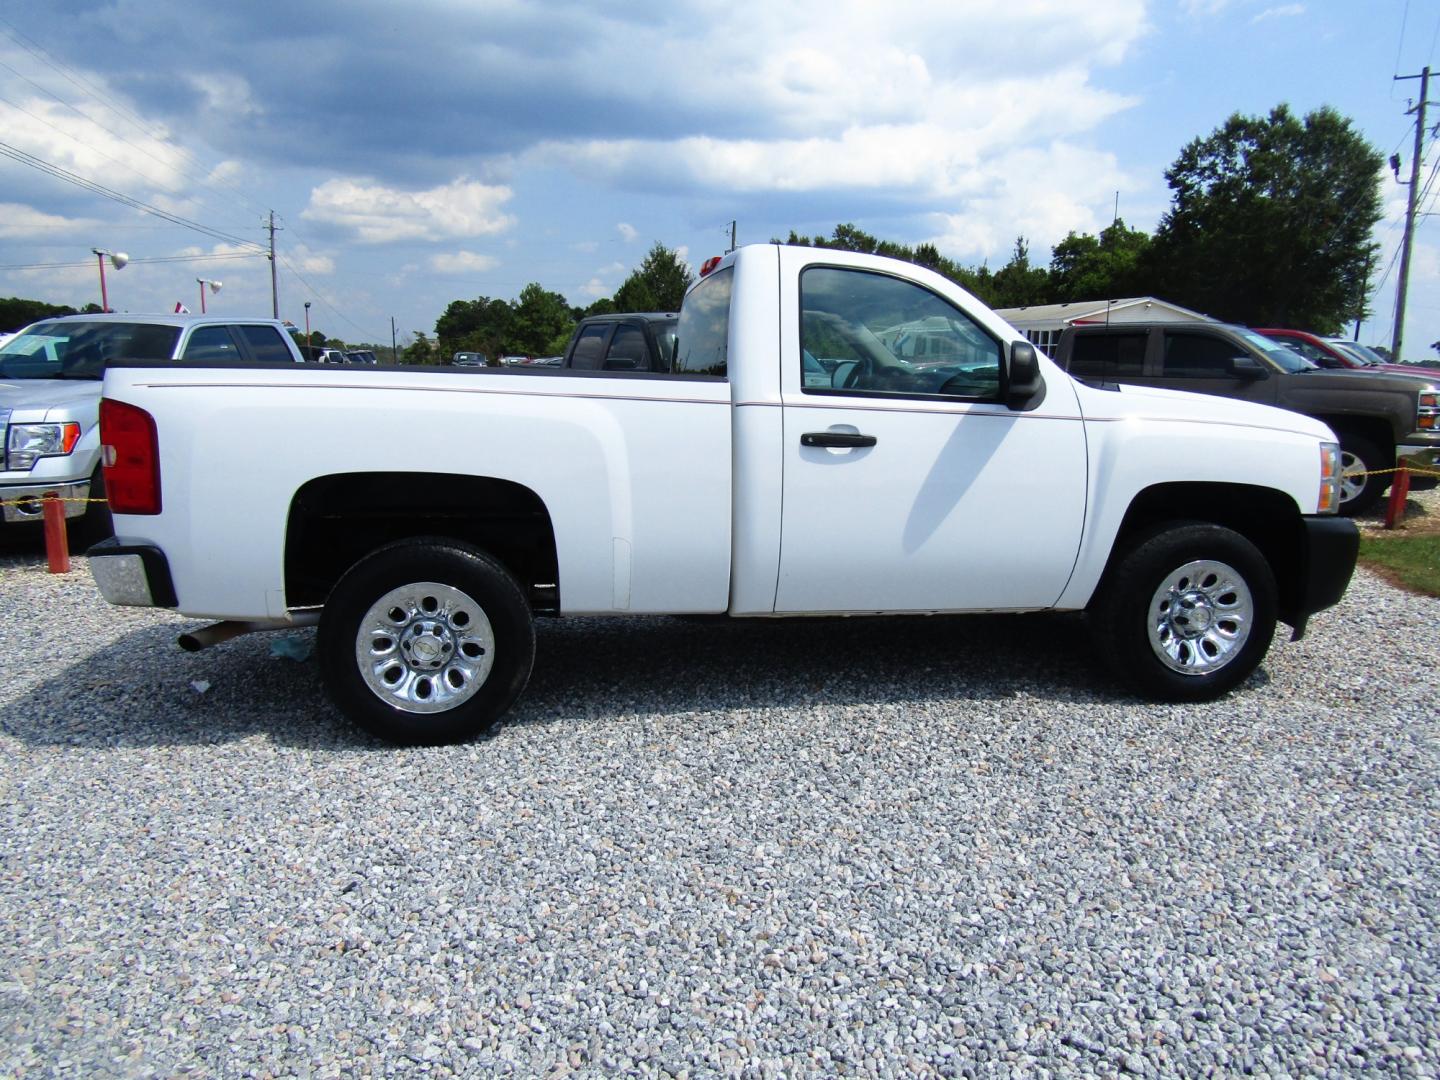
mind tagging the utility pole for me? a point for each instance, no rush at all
(1397, 338)
(732, 237)
(274, 284)
(394, 352)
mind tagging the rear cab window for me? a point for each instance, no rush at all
(266, 344)
(702, 340)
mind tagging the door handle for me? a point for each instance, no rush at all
(835, 438)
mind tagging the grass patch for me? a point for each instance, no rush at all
(1410, 561)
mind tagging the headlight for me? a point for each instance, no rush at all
(1329, 501)
(28, 443)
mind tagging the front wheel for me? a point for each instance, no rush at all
(426, 641)
(1364, 475)
(1187, 612)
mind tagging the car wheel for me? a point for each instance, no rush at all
(426, 641)
(1187, 612)
(1363, 478)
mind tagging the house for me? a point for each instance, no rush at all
(1044, 323)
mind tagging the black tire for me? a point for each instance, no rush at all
(1357, 453)
(1211, 642)
(96, 523)
(448, 656)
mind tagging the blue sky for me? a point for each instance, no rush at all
(435, 151)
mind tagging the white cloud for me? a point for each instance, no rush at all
(25, 222)
(463, 262)
(596, 288)
(379, 214)
(58, 136)
(1281, 12)
(1040, 194)
(627, 232)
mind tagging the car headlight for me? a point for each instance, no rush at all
(27, 443)
(1329, 502)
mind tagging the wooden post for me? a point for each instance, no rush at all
(57, 544)
(1399, 492)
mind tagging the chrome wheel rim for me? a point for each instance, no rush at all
(425, 647)
(1353, 476)
(1200, 617)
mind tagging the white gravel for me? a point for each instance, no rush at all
(879, 847)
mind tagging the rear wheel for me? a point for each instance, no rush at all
(1363, 478)
(426, 641)
(1187, 612)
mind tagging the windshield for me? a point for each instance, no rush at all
(1366, 355)
(1282, 356)
(80, 350)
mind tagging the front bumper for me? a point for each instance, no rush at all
(26, 502)
(1329, 548)
(132, 575)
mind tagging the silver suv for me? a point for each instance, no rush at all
(50, 397)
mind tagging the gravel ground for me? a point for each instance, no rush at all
(874, 847)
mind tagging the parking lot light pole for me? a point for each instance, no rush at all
(214, 288)
(118, 260)
(307, 322)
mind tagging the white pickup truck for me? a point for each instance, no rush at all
(841, 434)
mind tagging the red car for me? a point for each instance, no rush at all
(1333, 352)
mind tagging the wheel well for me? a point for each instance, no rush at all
(1372, 430)
(337, 520)
(1269, 519)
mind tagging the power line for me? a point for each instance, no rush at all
(322, 298)
(94, 149)
(153, 259)
(16, 154)
(48, 59)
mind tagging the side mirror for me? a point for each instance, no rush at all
(1025, 381)
(1247, 367)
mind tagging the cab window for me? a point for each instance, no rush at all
(209, 343)
(873, 334)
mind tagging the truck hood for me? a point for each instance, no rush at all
(77, 398)
(1330, 379)
(1152, 403)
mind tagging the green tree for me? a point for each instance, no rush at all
(16, 313)
(1270, 221)
(850, 238)
(481, 325)
(1085, 267)
(419, 351)
(542, 318)
(657, 284)
(1017, 283)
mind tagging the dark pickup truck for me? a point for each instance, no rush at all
(639, 341)
(1380, 418)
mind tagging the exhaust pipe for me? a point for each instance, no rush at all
(215, 633)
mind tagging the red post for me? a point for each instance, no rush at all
(1399, 491)
(104, 299)
(57, 544)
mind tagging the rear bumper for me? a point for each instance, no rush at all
(1329, 548)
(26, 502)
(132, 575)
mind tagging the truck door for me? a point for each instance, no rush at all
(908, 484)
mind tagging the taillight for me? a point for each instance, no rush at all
(130, 452)
(709, 265)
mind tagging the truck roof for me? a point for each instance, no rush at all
(164, 318)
